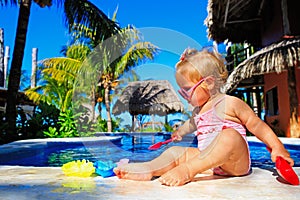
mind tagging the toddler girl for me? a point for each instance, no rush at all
(219, 122)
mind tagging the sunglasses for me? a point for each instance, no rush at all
(187, 94)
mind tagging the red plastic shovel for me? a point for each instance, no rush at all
(285, 170)
(159, 144)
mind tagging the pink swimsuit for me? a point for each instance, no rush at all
(209, 125)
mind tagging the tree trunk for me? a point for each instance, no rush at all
(107, 106)
(100, 109)
(16, 66)
(93, 104)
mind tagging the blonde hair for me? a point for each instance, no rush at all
(207, 62)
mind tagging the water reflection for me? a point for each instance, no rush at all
(76, 185)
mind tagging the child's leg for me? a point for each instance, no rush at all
(229, 151)
(158, 166)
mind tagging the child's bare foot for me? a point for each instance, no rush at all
(177, 176)
(134, 171)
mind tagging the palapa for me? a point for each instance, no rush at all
(148, 97)
(273, 58)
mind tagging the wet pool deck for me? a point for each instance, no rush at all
(20, 183)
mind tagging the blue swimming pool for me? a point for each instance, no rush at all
(133, 146)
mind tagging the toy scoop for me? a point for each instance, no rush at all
(159, 144)
(285, 170)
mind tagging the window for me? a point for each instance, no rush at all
(272, 102)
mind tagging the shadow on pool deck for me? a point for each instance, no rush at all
(50, 183)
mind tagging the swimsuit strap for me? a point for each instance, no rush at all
(218, 101)
(213, 107)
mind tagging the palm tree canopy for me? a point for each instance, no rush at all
(87, 14)
(59, 76)
(148, 97)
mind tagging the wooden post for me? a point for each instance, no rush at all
(132, 122)
(1, 57)
(285, 18)
(33, 67)
(6, 60)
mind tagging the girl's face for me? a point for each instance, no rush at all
(192, 91)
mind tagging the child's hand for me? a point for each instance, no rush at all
(283, 153)
(176, 137)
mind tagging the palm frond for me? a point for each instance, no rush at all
(79, 52)
(61, 68)
(86, 13)
(35, 95)
(136, 54)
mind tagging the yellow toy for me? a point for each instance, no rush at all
(78, 168)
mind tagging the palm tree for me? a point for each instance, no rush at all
(109, 60)
(58, 78)
(91, 77)
(79, 11)
(56, 87)
(119, 58)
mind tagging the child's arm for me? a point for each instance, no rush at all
(260, 129)
(188, 127)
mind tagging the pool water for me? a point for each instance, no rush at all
(134, 147)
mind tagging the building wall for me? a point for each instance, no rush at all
(298, 88)
(273, 80)
(273, 30)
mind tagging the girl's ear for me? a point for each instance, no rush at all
(210, 82)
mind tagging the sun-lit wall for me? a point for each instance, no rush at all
(280, 83)
(273, 80)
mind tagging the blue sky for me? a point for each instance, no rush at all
(171, 25)
(48, 33)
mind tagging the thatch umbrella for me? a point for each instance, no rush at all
(276, 57)
(147, 98)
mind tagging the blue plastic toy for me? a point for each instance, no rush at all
(105, 169)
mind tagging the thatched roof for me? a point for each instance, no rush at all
(148, 97)
(235, 20)
(273, 58)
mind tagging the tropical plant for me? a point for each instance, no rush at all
(109, 60)
(118, 58)
(79, 11)
(102, 125)
(90, 77)
(44, 116)
(67, 124)
(57, 85)
(53, 89)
